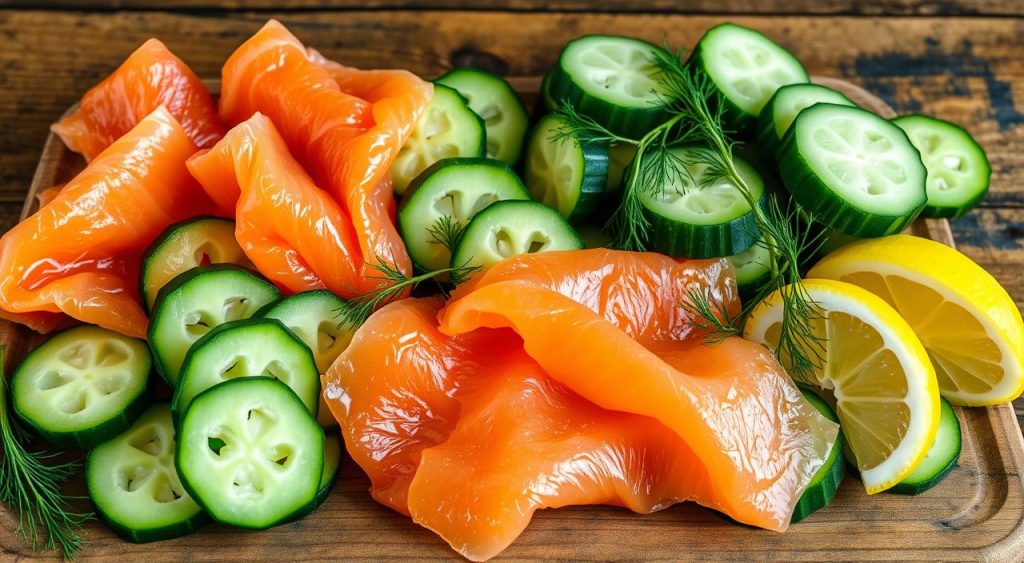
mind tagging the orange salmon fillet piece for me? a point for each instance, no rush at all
(150, 77)
(569, 378)
(80, 253)
(344, 125)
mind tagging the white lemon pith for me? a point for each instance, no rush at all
(969, 325)
(885, 388)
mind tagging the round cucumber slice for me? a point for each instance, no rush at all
(449, 128)
(619, 157)
(565, 175)
(940, 459)
(247, 348)
(852, 170)
(197, 301)
(83, 386)
(457, 188)
(613, 80)
(498, 105)
(753, 269)
(185, 245)
(823, 486)
(545, 102)
(250, 453)
(958, 169)
(783, 107)
(511, 228)
(746, 68)
(332, 462)
(691, 220)
(134, 485)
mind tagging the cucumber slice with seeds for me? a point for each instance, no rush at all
(82, 386)
(566, 175)
(788, 101)
(458, 188)
(185, 245)
(250, 453)
(449, 128)
(134, 485)
(196, 302)
(498, 105)
(613, 80)
(852, 170)
(746, 68)
(753, 269)
(512, 228)
(247, 348)
(958, 170)
(689, 220)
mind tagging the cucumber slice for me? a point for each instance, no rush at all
(511, 228)
(619, 157)
(449, 128)
(612, 80)
(82, 386)
(780, 111)
(940, 459)
(746, 68)
(458, 188)
(247, 348)
(958, 170)
(852, 170)
(314, 317)
(498, 105)
(753, 269)
(134, 485)
(250, 453)
(332, 462)
(823, 486)
(197, 301)
(570, 177)
(545, 102)
(185, 245)
(689, 220)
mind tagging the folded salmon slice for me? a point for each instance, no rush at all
(619, 403)
(294, 232)
(150, 77)
(345, 126)
(80, 253)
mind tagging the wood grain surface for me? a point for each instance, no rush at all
(960, 60)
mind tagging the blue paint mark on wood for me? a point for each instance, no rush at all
(876, 72)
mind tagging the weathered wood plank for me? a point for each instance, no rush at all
(834, 7)
(964, 72)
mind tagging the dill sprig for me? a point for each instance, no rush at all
(394, 284)
(31, 485)
(695, 115)
(446, 231)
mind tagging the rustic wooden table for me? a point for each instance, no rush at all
(957, 59)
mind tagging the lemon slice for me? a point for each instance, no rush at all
(884, 386)
(967, 322)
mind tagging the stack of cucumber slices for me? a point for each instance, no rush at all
(240, 442)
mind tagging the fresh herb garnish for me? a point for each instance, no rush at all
(446, 232)
(394, 284)
(695, 116)
(31, 486)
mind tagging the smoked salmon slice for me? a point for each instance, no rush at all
(293, 232)
(568, 378)
(344, 125)
(150, 77)
(80, 253)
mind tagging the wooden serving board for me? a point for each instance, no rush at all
(977, 513)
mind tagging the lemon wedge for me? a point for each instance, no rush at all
(884, 387)
(967, 322)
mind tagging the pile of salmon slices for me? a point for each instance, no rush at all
(569, 378)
